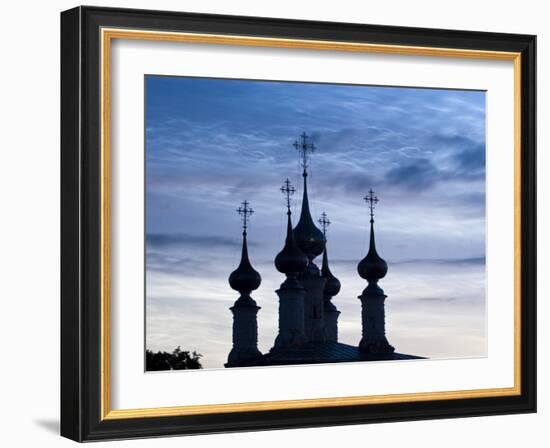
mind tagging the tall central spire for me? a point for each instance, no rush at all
(308, 237)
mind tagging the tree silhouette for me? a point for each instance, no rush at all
(177, 360)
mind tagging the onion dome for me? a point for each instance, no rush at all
(308, 237)
(332, 285)
(372, 268)
(245, 278)
(291, 260)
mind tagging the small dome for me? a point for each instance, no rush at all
(245, 278)
(291, 260)
(372, 267)
(332, 285)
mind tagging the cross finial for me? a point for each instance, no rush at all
(325, 222)
(288, 190)
(371, 199)
(245, 212)
(305, 147)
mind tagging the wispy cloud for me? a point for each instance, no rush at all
(159, 240)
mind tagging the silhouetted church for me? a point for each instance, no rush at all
(308, 319)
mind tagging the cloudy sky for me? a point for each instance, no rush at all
(211, 143)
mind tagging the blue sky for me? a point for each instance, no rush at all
(212, 143)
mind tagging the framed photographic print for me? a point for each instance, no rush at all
(273, 223)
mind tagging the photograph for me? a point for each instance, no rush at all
(291, 223)
(284, 221)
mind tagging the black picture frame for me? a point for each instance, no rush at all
(81, 224)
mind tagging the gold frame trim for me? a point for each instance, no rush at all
(107, 35)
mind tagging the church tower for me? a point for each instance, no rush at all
(372, 268)
(332, 288)
(292, 262)
(244, 279)
(311, 242)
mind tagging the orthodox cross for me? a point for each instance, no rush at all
(324, 221)
(245, 211)
(288, 190)
(371, 199)
(305, 147)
